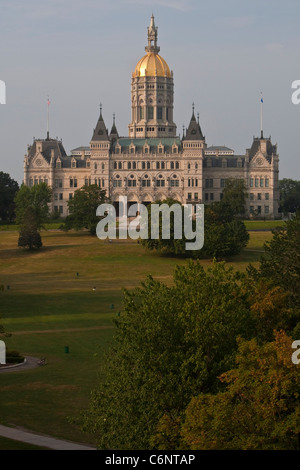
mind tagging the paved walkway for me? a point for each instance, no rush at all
(40, 440)
(30, 363)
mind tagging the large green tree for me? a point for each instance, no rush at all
(289, 191)
(260, 408)
(37, 198)
(171, 344)
(235, 195)
(280, 263)
(29, 235)
(83, 207)
(225, 234)
(8, 190)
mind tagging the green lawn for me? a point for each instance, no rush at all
(263, 224)
(48, 306)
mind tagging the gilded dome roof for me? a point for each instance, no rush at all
(152, 65)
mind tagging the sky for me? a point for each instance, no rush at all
(223, 54)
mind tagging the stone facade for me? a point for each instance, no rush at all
(153, 163)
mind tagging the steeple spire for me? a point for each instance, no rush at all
(152, 37)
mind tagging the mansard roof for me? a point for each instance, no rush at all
(153, 143)
(216, 162)
(47, 146)
(271, 149)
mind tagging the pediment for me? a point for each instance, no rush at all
(39, 161)
(259, 160)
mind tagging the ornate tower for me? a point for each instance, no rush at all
(152, 93)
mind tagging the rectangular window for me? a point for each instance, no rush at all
(143, 165)
(206, 197)
(251, 182)
(141, 113)
(167, 114)
(55, 197)
(145, 183)
(211, 196)
(61, 209)
(60, 196)
(189, 195)
(172, 166)
(267, 196)
(70, 196)
(159, 112)
(196, 196)
(177, 165)
(148, 165)
(259, 196)
(129, 165)
(157, 165)
(120, 165)
(256, 182)
(134, 165)
(267, 182)
(75, 183)
(58, 183)
(251, 197)
(259, 209)
(222, 181)
(211, 183)
(150, 112)
(251, 209)
(266, 209)
(162, 165)
(207, 183)
(261, 182)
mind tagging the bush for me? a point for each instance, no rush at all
(14, 357)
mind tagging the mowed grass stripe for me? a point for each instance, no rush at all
(33, 332)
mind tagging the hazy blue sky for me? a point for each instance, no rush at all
(223, 54)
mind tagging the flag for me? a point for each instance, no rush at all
(261, 99)
(48, 102)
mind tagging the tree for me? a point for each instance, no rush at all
(289, 191)
(8, 190)
(171, 246)
(37, 199)
(83, 206)
(224, 234)
(171, 344)
(29, 235)
(280, 264)
(260, 408)
(235, 194)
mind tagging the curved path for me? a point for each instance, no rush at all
(40, 440)
(30, 363)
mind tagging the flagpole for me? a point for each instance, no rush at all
(261, 115)
(48, 102)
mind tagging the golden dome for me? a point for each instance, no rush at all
(152, 65)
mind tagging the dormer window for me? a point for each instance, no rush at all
(58, 163)
(73, 163)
